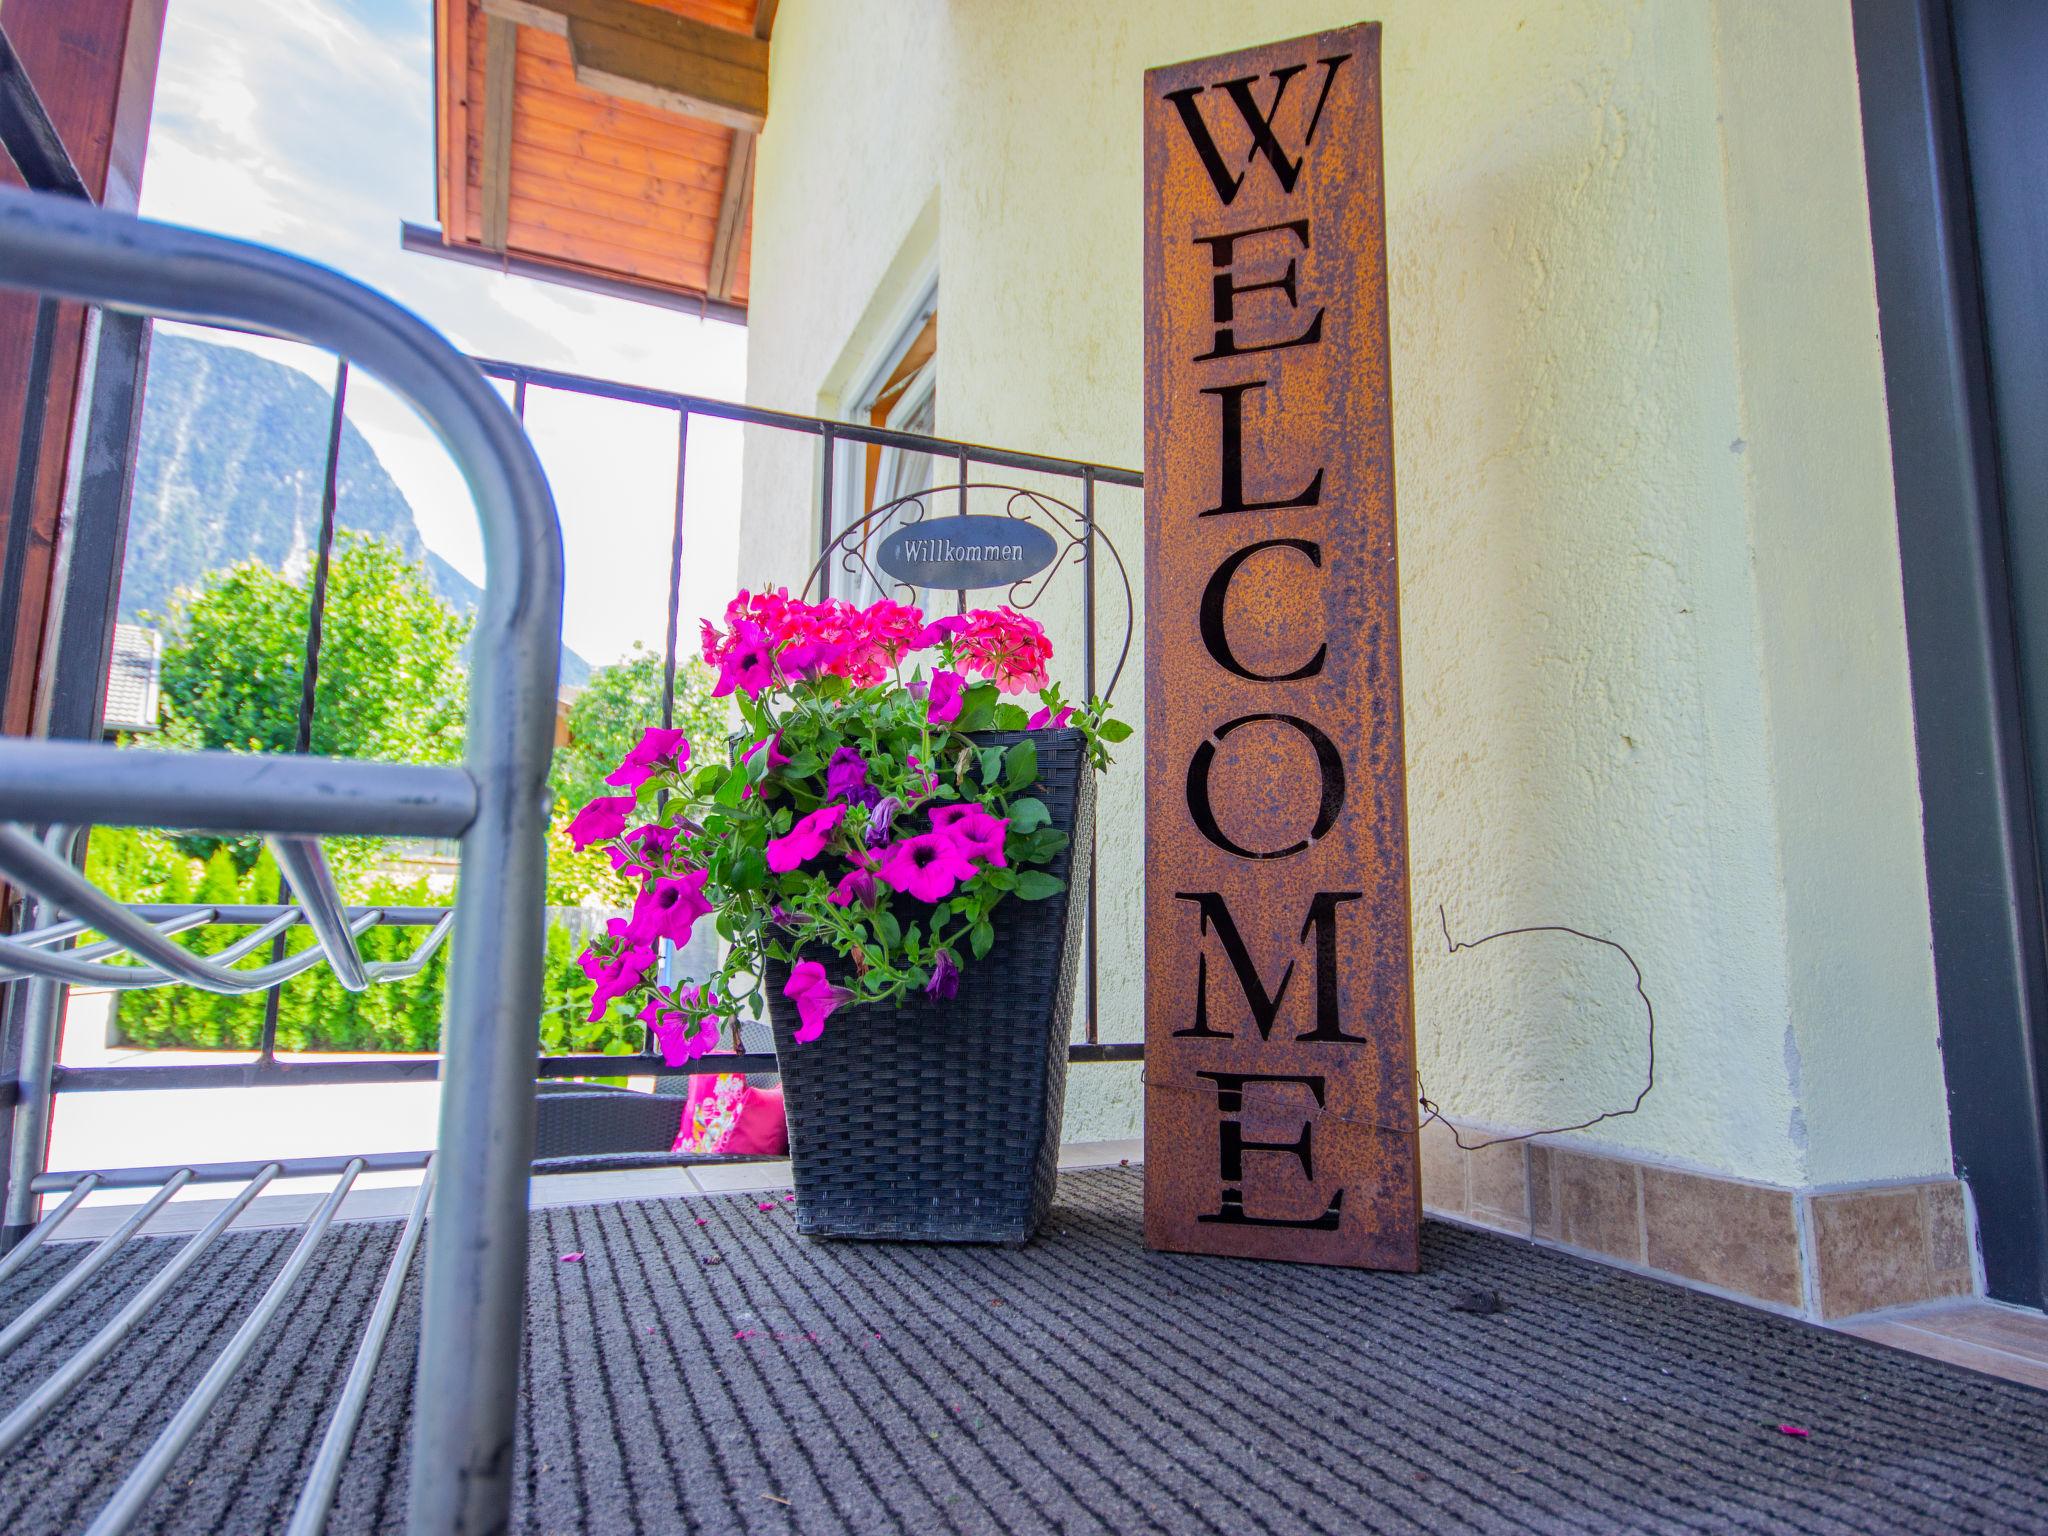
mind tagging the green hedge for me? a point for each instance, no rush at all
(315, 1013)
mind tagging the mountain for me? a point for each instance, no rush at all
(230, 466)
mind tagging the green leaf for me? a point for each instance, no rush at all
(977, 708)
(1028, 814)
(1023, 766)
(991, 764)
(888, 930)
(1113, 730)
(1036, 885)
(802, 766)
(1043, 844)
(1011, 717)
(981, 938)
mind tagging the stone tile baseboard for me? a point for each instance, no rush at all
(1823, 1254)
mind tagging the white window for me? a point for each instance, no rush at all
(900, 393)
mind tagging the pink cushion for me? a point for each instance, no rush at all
(723, 1115)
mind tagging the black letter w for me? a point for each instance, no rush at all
(1259, 122)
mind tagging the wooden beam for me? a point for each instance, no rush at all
(736, 202)
(495, 194)
(655, 57)
(735, 206)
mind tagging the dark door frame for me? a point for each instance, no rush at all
(1965, 372)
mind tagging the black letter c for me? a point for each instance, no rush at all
(1217, 593)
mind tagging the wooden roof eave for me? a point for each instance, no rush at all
(565, 149)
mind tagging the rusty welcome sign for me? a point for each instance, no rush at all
(1279, 1029)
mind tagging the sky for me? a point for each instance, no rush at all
(309, 126)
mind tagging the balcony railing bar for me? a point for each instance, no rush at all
(309, 677)
(283, 1072)
(815, 426)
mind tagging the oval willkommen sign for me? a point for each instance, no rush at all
(956, 553)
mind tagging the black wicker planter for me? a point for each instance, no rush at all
(940, 1121)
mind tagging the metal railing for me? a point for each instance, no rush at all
(268, 1069)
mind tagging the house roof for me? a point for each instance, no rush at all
(605, 143)
(134, 674)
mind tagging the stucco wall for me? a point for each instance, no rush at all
(1656, 679)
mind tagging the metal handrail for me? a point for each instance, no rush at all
(475, 1276)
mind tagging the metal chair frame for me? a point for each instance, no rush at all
(495, 804)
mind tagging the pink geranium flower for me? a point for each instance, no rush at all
(978, 834)
(928, 866)
(657, 746)
(748, 663)
(943, 706)
(1005, 646)
(814, 996)
(804, 841)
(601, 820)
(669, 908)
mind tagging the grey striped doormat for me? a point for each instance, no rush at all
(1078, 1385)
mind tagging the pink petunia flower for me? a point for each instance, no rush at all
(656, 747)
(679, 1040)
(978, 834)
(601, 820)
(814, 996)
(647, 849)
(807, 658)
(669, 908)
(855, 885)
(947, 691)
(616, 977)
(1045, 719)
(748, 663)
(804, 841)
(928, 866)
(775, 754)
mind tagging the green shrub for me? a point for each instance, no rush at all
(315, 1013)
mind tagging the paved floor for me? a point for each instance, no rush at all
(1981, 1335)
(695, 1365)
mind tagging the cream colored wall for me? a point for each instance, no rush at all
(1656, 678)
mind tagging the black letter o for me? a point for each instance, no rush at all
(1328, 761)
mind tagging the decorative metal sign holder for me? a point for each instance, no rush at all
(1060, 535)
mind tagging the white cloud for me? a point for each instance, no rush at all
(309, 126)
